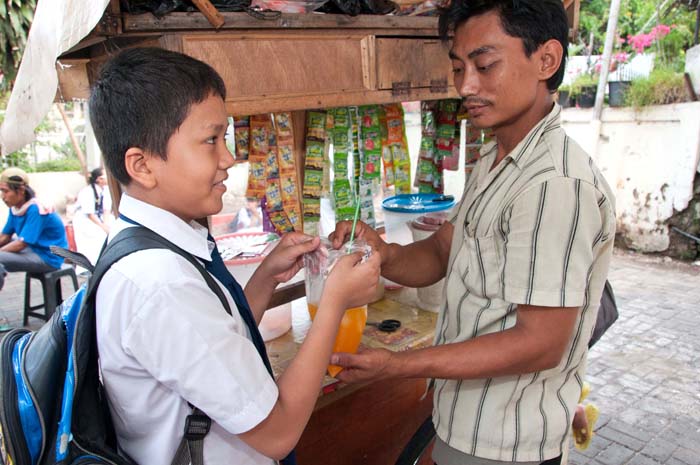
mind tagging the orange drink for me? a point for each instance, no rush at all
(349, 334)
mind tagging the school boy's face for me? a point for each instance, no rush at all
(492, 73)
(191, 180)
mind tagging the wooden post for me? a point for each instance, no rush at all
(607, 55)
(210, 12)
(74, 141)
(115, 191)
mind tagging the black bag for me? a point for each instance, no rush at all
(53, 408)
(607, 314)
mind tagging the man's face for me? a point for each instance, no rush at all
(191, 180)
(492, 73)
(10, 197)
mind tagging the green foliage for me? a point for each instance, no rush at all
(634, 15)
(59, 164)
(17, 18)
(67, 150)
(671, 49)
(662, 87)
(582, 81)
(19, 159)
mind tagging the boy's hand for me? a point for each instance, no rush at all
(353, 283)
(286, 259)
(362, 231)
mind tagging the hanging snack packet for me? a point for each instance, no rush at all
(316, 125)
(260, 129)
(367, 187)
(387, 159)
(371, 147)
(283, 124)
(241, 136)
(355, 122)
(344, 200)
(314, 154)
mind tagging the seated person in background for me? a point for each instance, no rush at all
(30, 229)
(165, 341)
(89, 221)
(248, 218)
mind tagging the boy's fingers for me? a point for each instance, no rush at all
(305, 246)
(353, 258)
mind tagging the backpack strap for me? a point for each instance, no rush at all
(132, 239)
(72, 257)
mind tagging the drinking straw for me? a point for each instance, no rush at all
(354, 221)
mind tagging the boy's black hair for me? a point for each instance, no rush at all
(141, 97)
(533, 21)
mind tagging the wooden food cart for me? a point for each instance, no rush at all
(296, 62)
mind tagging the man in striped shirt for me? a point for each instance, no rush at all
(525, 257)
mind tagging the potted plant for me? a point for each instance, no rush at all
(618, 87)
(564, 96)
(583, 89)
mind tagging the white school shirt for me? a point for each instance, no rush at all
(164, 340)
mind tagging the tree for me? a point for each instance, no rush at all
(13, 37)
(634, 16)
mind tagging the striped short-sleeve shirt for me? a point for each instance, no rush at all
(537, 229)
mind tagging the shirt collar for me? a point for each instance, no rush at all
(191, 237)
(526, 146)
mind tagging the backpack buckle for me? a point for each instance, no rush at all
(196, 427)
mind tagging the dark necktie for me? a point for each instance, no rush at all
(217, 268)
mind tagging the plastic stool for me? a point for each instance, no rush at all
(51, 287)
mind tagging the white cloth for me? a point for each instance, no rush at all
(165, 340)
(57, 26)
(89, 237)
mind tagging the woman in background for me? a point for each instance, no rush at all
(91, 219)
(30, 229)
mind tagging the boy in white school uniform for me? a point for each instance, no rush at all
(165, 342)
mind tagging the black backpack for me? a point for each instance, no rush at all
(53, 408)
(607, 314)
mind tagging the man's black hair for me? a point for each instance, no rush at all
(533, 21)
(16, 183)
(141, 97)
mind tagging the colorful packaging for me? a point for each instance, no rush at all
(241, 136)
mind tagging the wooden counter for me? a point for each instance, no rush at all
(363, 424)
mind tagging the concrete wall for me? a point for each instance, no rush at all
(650, 158)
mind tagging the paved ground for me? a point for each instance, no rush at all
(644, 373)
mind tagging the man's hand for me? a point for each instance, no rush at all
(286, 259)
(362, 231)
(366, 365)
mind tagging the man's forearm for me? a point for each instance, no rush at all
(413, 265)
(14, 246)
(493, 355)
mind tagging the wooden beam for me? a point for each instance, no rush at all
(270, 104)
(381, 24)
(210, 12)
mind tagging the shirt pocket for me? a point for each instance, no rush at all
(485, 275)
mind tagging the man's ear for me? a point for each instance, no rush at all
(551, 53)
(139, 166)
